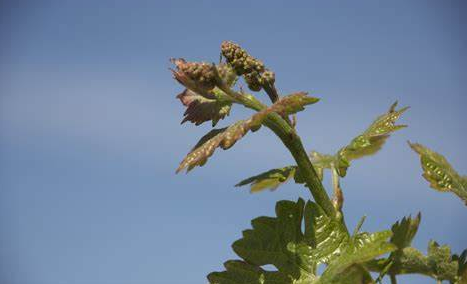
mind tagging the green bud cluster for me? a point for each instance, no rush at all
(252, 69)
(241, 61)
(227, 74)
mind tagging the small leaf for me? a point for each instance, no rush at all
(286, 105)
(365, 144)
(439, 173)
(224, 138)
(201, 109)
(374, 137)
(292, 103)
(270, 179)
(402, 234)
(404, 231)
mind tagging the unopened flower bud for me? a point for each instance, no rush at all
(253, 81)
(240, 60)
(227, 74)
(268, 77)
(195, 75)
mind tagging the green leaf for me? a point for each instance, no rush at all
(404, 231)
(200, 109)
(438, 263)
(277, 241)
(365, 144)
(439, 173)
(402, 234)
(270, 179)
(362, 248)
(240, 272)
(373, 138)
(272, 240)
(280, 241)
(325, 238)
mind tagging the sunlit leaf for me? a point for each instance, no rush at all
(374, 137)
(439, 173)
(280, 241)
(363, 247)
(325, 237)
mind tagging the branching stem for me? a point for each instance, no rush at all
(293, 142)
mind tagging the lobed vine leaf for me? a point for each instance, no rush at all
(296, 253)
(439, 173)
(240, 272)
(271, 240)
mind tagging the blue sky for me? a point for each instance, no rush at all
(91, 135)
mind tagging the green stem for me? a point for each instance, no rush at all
(393, 279)
(293, 143)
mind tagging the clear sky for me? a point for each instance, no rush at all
(91, 135)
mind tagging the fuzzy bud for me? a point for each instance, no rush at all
(227, 74)
(241, 61)
(253, 81)
(195, 75)
(268, 77)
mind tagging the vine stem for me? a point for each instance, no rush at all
(393, 279)
(292, 141)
